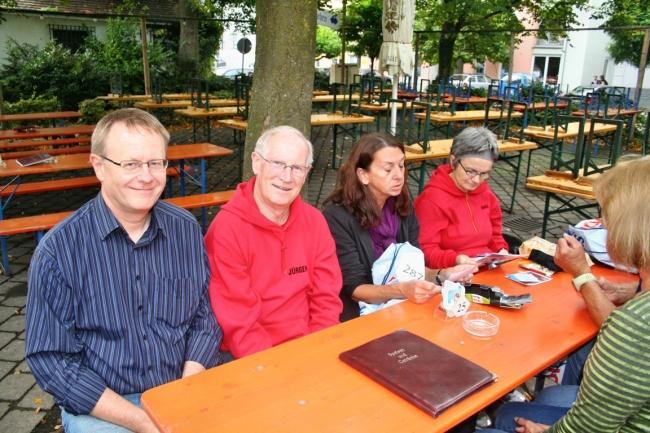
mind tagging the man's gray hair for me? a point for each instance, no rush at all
(132, 118)
(475, 143)
(285, 129)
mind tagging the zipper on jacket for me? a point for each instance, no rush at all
(471, 214)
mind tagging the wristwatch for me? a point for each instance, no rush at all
(580, 280)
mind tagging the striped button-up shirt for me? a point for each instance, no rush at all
(104, 312)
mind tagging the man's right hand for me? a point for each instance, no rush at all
(418, 291)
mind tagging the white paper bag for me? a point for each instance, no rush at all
(399, 263)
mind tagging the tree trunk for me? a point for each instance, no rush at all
(446, 50)
(284, 69)
(188, 46)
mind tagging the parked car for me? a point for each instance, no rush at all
(520, 78)
(614, 93)
(232, 73)
(377, 76)
(473, 81)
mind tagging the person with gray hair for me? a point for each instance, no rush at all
(459, 215)
(275, 273)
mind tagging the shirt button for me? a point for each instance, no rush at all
(137, 278)
(145, 338)
(151, 368)
(140, 307)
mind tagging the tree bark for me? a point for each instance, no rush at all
(446, 50)
(188, 46)
(284, 69)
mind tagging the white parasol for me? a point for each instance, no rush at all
(396, 54)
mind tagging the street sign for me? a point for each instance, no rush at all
(244, 45)
(328, 19)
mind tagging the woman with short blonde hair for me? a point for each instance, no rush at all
(614, 395)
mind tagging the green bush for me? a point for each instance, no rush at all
(321, 80)
(39, 104)
(53, 71)
(92, 110)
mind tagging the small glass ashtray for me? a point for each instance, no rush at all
(481, 323)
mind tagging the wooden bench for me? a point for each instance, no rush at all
(40, 223)
(21, 144)
(60, 184)
(53, 152)
(562, 187)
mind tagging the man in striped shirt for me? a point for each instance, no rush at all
(117, 300)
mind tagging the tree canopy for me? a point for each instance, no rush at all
(363, 27)
(454, 18)
(626, 44)
(328, 43)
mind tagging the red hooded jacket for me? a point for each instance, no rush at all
(453, 222)
(271, 283)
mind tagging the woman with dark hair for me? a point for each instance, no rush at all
(459, 214)
(368, 211)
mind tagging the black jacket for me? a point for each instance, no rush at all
(355, 252)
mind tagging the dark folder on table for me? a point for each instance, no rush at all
(430, 377)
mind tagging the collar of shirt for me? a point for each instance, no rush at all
(108, 224)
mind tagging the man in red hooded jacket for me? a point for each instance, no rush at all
(275, 273)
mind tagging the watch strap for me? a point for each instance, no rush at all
(580, 280)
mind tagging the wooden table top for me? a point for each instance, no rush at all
(301, 385)
(12, 134)
(467, 115)
(320, 119)
(539, 106)
(467, 100)
(124, 98)
(202, 113)
(439, 149)
(81, 160)
(153, 105)
(26, 117)
(612, 112)
(570, 132)
(563, 185)
(330, 98)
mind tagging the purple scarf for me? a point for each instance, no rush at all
(386, 232)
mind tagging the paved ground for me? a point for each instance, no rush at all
(25, 408)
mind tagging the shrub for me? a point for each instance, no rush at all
(52, 71)
(38, 104)
(92, 110)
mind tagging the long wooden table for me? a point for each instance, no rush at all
(12, 134)
(571, 131)
(195, 114)
(466, 116)
(34, 117)
(336, 120)
(564, 189)
(439, 149)
(14, 172)
(301, 385)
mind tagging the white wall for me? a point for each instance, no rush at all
(228, 57)
(32, 29)
(585, 53)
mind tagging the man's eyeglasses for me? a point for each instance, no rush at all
(133, 166)
(473, 173)
(298, 171)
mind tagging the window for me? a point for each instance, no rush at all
(71, 37)
(546, 68)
